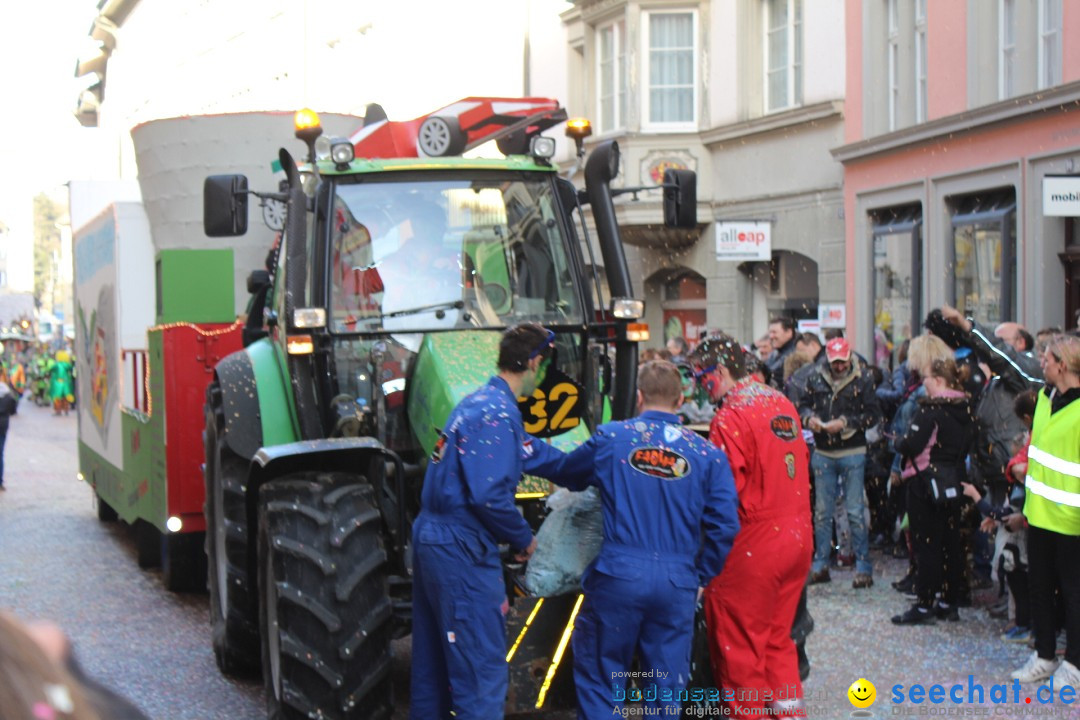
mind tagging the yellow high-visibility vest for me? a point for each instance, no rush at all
(1052, 500)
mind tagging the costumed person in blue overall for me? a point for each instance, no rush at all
(467, 509)
(670, 518)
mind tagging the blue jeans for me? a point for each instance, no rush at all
(827, 472)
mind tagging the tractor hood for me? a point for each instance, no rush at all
(450, 366)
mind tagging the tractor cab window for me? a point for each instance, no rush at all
(448, 254)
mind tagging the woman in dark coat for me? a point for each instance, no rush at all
(936, 444)
(8, 404)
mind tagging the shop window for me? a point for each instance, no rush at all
(984, 255)
(685, 287)
(897, 279)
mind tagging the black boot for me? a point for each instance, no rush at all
(915, 615)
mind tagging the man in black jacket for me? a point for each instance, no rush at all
(782, 338)
(839, 405)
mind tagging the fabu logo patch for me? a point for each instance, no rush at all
(658, 462)
(783, 427)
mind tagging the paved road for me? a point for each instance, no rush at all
(57, 561)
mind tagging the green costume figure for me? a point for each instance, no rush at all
(61, 385)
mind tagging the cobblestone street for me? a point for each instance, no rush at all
(58, 562)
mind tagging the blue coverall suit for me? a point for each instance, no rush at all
(670, 517)
(459, 596)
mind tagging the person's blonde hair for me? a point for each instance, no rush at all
(30, 681)
(1066, 349)
(794, 361)
(924, 350)
(660, 383)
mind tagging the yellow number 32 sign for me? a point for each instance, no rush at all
(553, 408)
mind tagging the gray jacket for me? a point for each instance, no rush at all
(999, 427)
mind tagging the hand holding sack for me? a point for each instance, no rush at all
(568, 540)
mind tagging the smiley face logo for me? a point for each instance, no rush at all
(862, 693)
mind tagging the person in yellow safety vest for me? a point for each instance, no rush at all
(1052, 509)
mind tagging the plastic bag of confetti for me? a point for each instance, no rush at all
(566, 543)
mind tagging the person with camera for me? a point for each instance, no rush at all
(936, 444)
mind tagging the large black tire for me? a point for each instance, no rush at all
(105, 511)
(183, 562)
(147, 544)
(233, 613)
(324, 606)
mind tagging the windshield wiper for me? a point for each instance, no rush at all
(439, 308)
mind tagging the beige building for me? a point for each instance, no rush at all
(749, 93)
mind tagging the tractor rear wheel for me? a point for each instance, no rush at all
(325, 606)
(233, 618)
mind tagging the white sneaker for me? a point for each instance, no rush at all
(1067, 674)
(1035, 669)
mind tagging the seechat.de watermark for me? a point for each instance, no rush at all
(973, 699)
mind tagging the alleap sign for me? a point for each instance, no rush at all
(743, 241)
(1061, 196)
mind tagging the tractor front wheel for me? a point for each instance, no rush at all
(325, 606)
(233, 620)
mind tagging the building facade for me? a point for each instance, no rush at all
(749, 94)
(960, 152)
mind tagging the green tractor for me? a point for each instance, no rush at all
(380, 308)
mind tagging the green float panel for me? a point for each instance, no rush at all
(195, 286)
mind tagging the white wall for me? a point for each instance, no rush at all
(174, 59)
(824, 50)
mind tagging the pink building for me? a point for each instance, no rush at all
(961, 164)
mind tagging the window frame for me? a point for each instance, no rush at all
(1049, 69)
(921, 95)
(620, 68)
(647, 125)
(1000, 208)
(795, 62)
(896, 222)
(1006, 49)
(892, 36)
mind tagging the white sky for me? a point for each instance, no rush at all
(39, 136)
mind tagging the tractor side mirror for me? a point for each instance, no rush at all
(680, 199)
(225, 205)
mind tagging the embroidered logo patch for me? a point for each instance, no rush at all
(439, 449)
(659, 462)
(784, 427)
(527, 448)
(672, 433)
(789, 462)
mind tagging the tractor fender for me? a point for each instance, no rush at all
(256, 400)
(240, 404)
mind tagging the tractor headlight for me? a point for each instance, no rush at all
(542, 148)
(627, 308)
(309, 318)
(342, 153)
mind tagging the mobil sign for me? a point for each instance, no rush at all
(741, 241)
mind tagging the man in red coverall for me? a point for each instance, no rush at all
(750, 606)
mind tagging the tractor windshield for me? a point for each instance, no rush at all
(416, 253)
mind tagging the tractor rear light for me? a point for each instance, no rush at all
(309, 318)
(542, 148)
(627, 308)
(637, 332)
(300, 345)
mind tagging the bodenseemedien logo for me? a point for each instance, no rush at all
(862, 695)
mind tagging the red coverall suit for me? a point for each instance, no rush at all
(749, 607)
